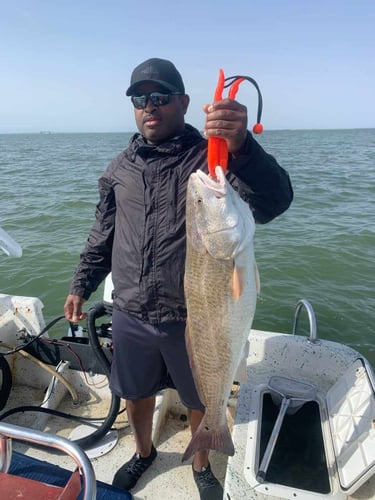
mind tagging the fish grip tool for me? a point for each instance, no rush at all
(217, 146)
(292, 394)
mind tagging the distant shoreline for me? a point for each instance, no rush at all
(50, 132)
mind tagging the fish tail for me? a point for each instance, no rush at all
(203, 439)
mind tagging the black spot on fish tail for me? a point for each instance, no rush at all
(206, 439)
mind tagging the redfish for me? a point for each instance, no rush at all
(221, 285)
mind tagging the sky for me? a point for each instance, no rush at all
(65, 65)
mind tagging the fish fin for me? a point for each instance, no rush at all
(257, 278)
(237, 282)
(205, 439)
(191, 361)
(241, 372)
(189, 346)
(187, 340)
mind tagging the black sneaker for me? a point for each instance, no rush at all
(208, 486)
(127, 476)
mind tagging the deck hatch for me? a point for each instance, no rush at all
(351, 409)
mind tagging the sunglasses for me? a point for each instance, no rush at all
(157, 99)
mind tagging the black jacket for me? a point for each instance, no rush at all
(139, 232)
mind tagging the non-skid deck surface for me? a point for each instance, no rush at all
(167, 477)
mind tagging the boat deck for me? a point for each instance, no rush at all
(167, 474)
(322, 364)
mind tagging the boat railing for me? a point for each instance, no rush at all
(46, 439)
(303, 303)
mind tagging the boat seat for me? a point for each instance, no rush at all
(45, 472)
(15, 487)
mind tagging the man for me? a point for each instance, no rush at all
(139, 235)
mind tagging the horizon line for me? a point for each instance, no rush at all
(51, 132)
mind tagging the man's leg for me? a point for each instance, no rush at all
(177, 360)
(137, 369)
(200, 457)
(140, 414)
(208, 486)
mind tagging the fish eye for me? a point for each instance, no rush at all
(199, 200)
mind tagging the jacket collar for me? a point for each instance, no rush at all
(190, 137)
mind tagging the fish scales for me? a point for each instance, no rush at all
(220, 290)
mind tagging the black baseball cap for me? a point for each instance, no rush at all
(159, 71)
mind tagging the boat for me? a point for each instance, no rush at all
(302, 421)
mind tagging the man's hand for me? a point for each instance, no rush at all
(227, 119)
(73, 308)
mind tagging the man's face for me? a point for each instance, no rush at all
(158, 123)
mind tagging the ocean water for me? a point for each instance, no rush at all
(322, 249)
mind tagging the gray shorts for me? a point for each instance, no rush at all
(148, 358)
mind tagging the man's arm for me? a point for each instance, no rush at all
(96, 257)
(261, 181)
(258, 177)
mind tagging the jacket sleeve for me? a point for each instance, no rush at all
(261, 182)
(95, 259)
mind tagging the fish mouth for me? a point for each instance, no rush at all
(218, 185)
